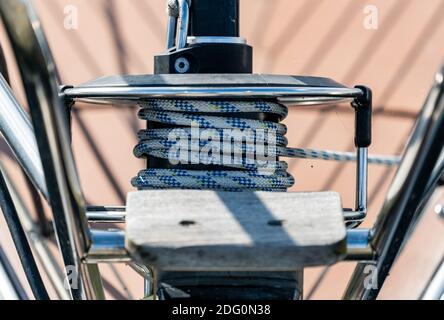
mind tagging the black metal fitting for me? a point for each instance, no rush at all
(207, 20)
(363, 118)
(213, 19)
(68, 103)
(206, 58)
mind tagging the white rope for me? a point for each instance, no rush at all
(241, 173)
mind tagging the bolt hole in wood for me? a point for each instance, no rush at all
(273, 223)
(276, 223)
(187, 223)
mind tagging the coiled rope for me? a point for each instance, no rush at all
(242, 169)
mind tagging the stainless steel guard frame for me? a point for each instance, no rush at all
(40, 79)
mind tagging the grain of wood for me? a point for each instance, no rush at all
(228, 231)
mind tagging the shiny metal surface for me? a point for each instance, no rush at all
(184, 17)
(18, 132)
(407, 194)
(435, 287)
(9, 285)
(353, 217)
(107, 246)
(40, 80)
(171, 32)
(38, 243)
(289, 93)
(362, 180)
(356, 217)
(439, 210)
(147, 287)
(143, 271)
(358, 245)
(311, 101)
(106, 216)
(148, 283)
(199, 40)
(148, 278)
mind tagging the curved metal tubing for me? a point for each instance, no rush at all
(184, 17)
(38, 243)
(434, 289)
(22, 246)
(31, 186)
(11, 288)
(18, 132)
(40, 81)
(317, 94)
(171, 32)
(407, 195)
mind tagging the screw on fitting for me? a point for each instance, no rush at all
(182, 65)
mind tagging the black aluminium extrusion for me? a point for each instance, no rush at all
(206, 18)
(21, 242)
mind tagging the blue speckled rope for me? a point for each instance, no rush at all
(240, 176)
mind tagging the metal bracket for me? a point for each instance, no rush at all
(363, 138)
(179, 17)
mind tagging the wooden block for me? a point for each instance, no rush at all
(177, 230)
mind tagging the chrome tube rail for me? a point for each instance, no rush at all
(434, 289)
(178, 15)
(288, 95)
(18, 132)
(38, 243)
(10, 288)
(21, 244)
(420, 168)
(106, 214)
(184, 16)
(358, 245)
(362, 180)
(40, 80)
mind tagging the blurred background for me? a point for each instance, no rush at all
(397, 59)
